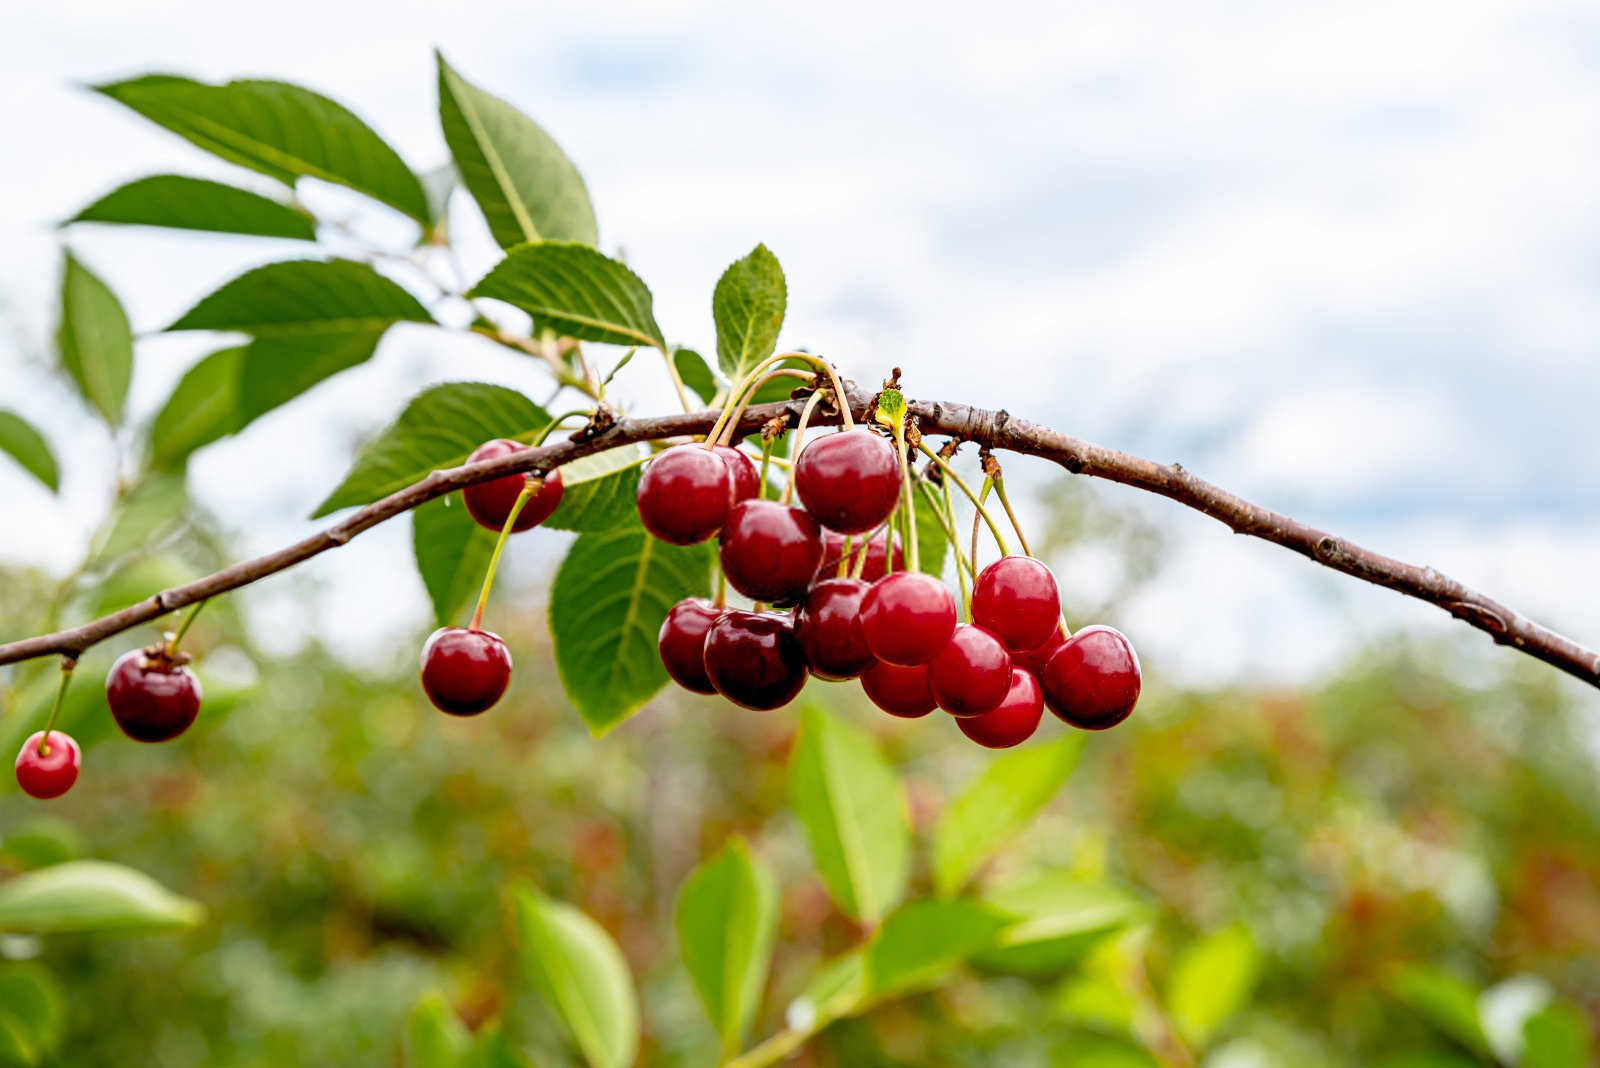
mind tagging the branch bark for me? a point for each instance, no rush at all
(995, 429)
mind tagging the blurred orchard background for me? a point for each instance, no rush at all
(1340, 261)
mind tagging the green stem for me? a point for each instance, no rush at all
(1000, 491)
(728, 422)
(963, 565)
(799, 441)
(950, 472)
(746, 387)
(913, 561)
(677, 379)
(550, 427)
(530, 488)
(183, 627)
(67, 664)
(844, 556)
(766, 462)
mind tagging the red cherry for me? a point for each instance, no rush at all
(1015, 598)
(1033, 660)
(850, 480)
(682, 642)
(907, 617)
(464, 672)
(684, 494)
(972, 672)
(46, 770)
(491, 502)
(743, 477)
(1093, 680)
(877, 549)
(152, 698)
(899, 691)
(828, 625)
(754, 660)
(769, 551)
(1013, 720)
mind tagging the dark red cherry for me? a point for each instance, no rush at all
(153, 698)
(899, 691)
(907, 617)
(684, 494)
(48, 769)
(828, 625)
(1033, 660)
(464, 672)
(1016, 600)
(1013, 720)
(491, 502)
(682, 642)
(850, 480)
(1093, 680)
(877, 550)
(972, 672)
(753, 659)
(744, 480)
(770, 551)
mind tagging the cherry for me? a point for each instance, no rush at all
(1015, 598)
(1093, 680)
(899, 691)
(828, 625)
(682, 642)
(1013, 720)
(48, 769)
(753, 659)
(1033, 660)
(877, 550)
(464, 672)
(153, 696)
(684, 494)
(907, 617)
(850, 480)
(972, 672)
(743, 477)
(770, 551)
(491, 502)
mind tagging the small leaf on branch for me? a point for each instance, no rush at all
(599, 491)
(727, 918)
(580, 971)
(94, 340)
(1211, 981)
(20, 441)
(890, 409)
(696, 373)
(203, 407)
(574, 291)
(180, 202)
(91, 895)
(921, 943)
(300, 296)
(748, 307)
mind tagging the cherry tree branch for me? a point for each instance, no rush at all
(995, 429)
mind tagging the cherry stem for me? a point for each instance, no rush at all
(722, 589)
(858, 567)
(1000, 491)
(766, 461)
(747, 386)
(913, 560)
(728, 422)
(942, 514)
(530, 489)
(950, 472)
(550, 427)
(800, 441)
(183, 628)
(67, 664)
(844, 555)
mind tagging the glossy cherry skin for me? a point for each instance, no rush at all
(1033, 660)
(769, 551)
(899, 691)
(152, 699)
(1013, 720)
(907, 617)
(48, 774)
(489, 503)
(684, 494)
(877, 550)
(743, 479)
(850, 480)
(828, 625)
(754, 660)
(1016, 600)
(464, 672)
(972, 672)
(682, 642)
(1093, 680)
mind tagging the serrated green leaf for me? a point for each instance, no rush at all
(576, 966)
(606, 606)
(923, 941)
(1001, 801)
(1211, 981)
(92, 895)
(748, 306)
(24, 444)
(435, 1036)
(1557, 1036)
(295, 297)
(94, 340)
(1444, 1001)
(204, 407)
(1056, 919)
(696, 373)
(278, 129)
(576, 292)
(452, 552)
(855, 813)
(600, 491)
(183, 203)
(439, 428)
(525, 185)
(727, 919)
(278, 368)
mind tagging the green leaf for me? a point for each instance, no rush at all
(1444, 1001)
(748, 306)
(836, 990)
(999, 803)
(24, 444)
(95, 342)
(1557, 1037)
(491, 1049)
(439, 428)
(435, 1036)
(184, 203)
(727, 918)
(933, 544)
(40, 842)
(278, 129)
(204, 406)
(32, 1014)
(526, 186)
(92, 895)
(599, 492)
(855, 814)
(1211, 981)
(606, 606)
(696, 373)
(922, 942)
(1056, 920)
(292, 298)
(577, 967)
(152, 511)
(452, 553)
(575, 291)
(277, 369)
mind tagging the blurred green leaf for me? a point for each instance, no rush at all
(923, 941)
(203, 407)
(696, 373)
(292, 298)
(452, 552)
(491, 1049)
(1558, 1036)
(150, 513)
(1444, 1001)
(1095, 1001)
(727, 919)
(854, 810)
(576, 966)
(575, 291)
(32, 1014)
(526, 186)
(184, 203)
(24, 444)
(92, 895)
(1056, 919)
(435, 1037)
(1211, 981)
(41, 842)
(95, 341)
(599, 490)
(748, 306)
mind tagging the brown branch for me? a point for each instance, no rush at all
(991, 429)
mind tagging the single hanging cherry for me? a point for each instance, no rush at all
(48, 769)
(465, 671)
(1093, 680)
(153, 695)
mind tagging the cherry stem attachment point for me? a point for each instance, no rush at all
(183, 627)
(530, 489)
(67, 664)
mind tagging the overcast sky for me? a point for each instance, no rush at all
(1338, 258)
